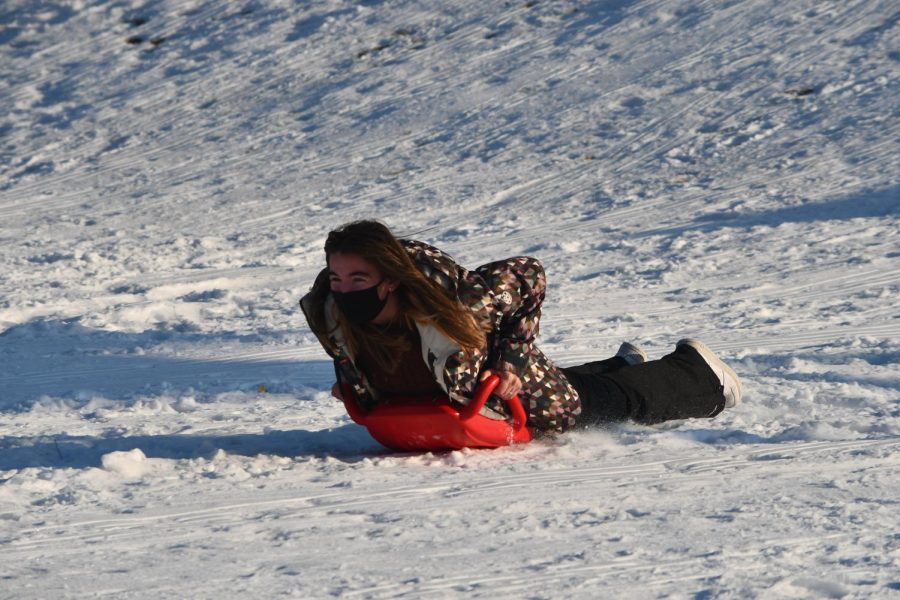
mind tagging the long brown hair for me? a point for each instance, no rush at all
(420, 299)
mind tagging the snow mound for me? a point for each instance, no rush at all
(128, 465)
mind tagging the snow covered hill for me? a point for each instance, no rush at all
(725, 169)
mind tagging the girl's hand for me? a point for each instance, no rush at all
(509, 385)
(336, 391)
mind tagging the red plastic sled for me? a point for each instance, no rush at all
(431, 424)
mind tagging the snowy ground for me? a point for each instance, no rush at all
(168, 171)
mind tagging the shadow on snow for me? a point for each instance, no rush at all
(64, 359)
(349, 441)
(873, 203)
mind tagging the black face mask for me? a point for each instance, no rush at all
(361, 306)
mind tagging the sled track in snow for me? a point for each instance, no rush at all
(659, 572)
(742, 460)
(352, 511)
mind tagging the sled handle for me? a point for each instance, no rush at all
(483, 393)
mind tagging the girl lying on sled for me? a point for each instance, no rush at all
(401, 319)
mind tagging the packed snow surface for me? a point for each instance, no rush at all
(724, 169)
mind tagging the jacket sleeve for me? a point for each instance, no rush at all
(518, 285)
(313, 307)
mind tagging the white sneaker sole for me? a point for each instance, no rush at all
(731, 383)
(632, 354)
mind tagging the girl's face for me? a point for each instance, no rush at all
(351, 272)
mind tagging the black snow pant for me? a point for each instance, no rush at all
(680, 385)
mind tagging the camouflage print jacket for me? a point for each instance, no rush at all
(509, 293)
